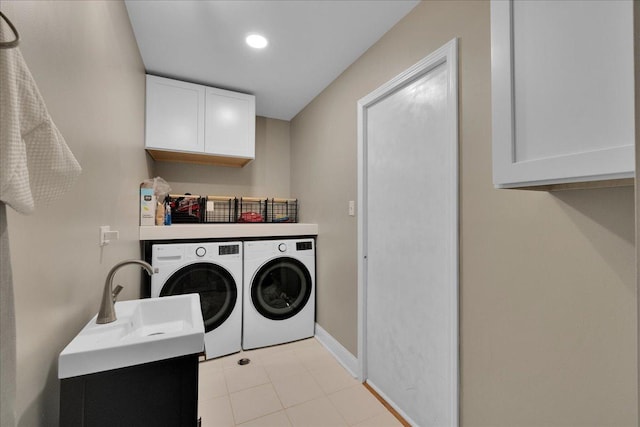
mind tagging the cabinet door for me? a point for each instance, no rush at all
(175, 115)
(230, 124)
(562, 91)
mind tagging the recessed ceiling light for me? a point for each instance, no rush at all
(256, 41)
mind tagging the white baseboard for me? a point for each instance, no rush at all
(342, 355)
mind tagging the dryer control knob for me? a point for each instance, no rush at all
(201, 251)
(282, 247)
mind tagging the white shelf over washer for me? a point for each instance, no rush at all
(225, 231)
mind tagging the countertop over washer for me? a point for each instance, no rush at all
(234, 230)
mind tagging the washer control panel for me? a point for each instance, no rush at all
(229, 249)
(282, 247)
(304, 246)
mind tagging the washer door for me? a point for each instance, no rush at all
(281, 288)
(217, 289)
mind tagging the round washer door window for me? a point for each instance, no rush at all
(281, 288)
(217, 289)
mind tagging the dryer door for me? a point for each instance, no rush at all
(218, 291)
(281, 288)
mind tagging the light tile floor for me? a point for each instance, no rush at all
(295, 384)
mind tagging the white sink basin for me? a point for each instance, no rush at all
(146, 330)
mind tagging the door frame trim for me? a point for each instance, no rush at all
(448, 55)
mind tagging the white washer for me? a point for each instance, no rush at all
(213, 270)
(279, 292)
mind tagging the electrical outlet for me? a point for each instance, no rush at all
(106, 235)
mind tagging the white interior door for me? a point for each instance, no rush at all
(408, 240)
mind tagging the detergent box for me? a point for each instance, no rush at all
(147, 206)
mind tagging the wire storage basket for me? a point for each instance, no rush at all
(251, 209)
(282, 210)
(185, 208)
(220, 209)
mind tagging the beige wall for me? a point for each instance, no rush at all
(548, 333)
(547, 288)
(85, 61)
(266, 176)
(636, 51)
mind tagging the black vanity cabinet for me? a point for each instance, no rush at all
(157, 394)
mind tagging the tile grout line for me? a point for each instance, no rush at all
(294, 350)
(324, 394)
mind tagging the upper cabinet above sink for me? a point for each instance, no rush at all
(187, 122)
(562, 93)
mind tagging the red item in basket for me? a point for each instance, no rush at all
(250, 217)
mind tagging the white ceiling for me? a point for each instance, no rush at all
(310, 43)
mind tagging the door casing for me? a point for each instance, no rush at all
(447, 56)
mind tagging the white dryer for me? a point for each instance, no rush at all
(213, 270)
(279, 292)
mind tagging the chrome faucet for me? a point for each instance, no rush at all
(107, 313)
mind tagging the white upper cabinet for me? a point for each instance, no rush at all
(562, 92)
(175, 115)
(186, 122)
(230, 125)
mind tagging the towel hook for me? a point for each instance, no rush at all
(13, 43)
